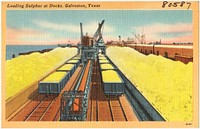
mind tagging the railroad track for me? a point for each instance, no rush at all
(102, 108)
(26, 110)
(40, 110)
(37, 106)
(121, 110)
(116, 109)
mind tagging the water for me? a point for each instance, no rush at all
(16, 49)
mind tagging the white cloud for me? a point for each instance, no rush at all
(62, 33)
(160, 27)
(90, 28)
(25, 35)
(153, 32)
(58, 27)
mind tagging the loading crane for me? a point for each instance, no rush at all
(88, 48)
(140, 38)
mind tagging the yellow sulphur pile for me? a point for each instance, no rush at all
(25, 70)
(166, 84)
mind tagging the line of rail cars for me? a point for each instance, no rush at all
(55, 82)
(113, 84)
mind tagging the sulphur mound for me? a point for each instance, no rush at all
(166, 84)
(24, 70)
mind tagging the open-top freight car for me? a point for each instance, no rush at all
(67, 68)
(102, 58)
(101, 55)
(103, 61)
(54, 83)
(113, 84)
(106, 66)
(72, 61)
(76, 58)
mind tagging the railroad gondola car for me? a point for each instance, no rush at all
(106, 67)
(53, 83)
(72, 61)
(113, 84)
(67, 68)
(104, 61)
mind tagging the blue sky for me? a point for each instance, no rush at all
(52, 27)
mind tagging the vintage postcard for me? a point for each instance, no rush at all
(100, 64)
